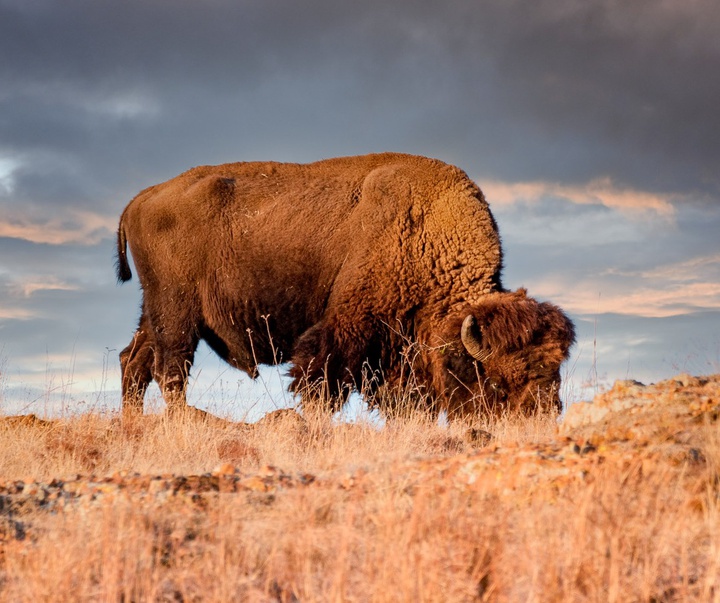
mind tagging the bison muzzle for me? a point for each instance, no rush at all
(376, 271)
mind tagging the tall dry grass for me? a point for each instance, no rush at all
(649, 531)
(101, 443)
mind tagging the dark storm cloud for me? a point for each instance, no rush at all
(562, 90)
(636, 77)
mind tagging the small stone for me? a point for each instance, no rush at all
(269, 471)
(686, 380)
(224, 469)
(306, 479)
(157, 485)
(255, 483)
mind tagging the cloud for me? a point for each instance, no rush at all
(7, 167)
(118, 103)
(602, 191)
(15, 313)
(555, 90)
(686, 287)
(28, 287)
(623, 252)
(19, 295)
(703, 268)
(74, 226)
(650, 300)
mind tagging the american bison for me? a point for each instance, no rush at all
(383, 265)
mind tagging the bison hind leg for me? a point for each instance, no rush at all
(136, 364)
(172, 371)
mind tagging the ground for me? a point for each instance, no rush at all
(616, 501)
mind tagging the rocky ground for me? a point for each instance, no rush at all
(633, 427)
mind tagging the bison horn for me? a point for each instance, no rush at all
(470, 338)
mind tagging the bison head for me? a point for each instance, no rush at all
(504, 353)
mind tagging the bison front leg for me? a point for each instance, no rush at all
(329, 360)
(136, 362)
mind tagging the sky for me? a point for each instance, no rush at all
(592, 126)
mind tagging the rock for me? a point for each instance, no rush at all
(256, 484)
(286, 417)
(643, 411)
(30, 420)
(478, 437)
(190, 413)
(224, 469)
(235, 451)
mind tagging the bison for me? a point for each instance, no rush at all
(384, 265)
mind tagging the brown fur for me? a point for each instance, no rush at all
(335, 266)
(524, 344)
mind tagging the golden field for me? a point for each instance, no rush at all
(616, 501)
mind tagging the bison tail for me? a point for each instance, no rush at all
(122, 266)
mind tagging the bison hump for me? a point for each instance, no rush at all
(212, 188)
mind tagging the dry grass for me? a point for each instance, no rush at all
(644, 532)
(102, 444)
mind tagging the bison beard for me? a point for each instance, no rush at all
(379, 263)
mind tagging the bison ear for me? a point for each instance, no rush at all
(472, 339)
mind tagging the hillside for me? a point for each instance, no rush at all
(617, 502)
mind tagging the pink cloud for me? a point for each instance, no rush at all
(15, 314)
(27, 287)
(697, 268)
(651, 296)
(77, 227)
(600, 191)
